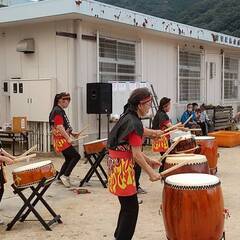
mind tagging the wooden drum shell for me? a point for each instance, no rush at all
(193, 214)
(33, 176)
(209, 148)
(186, 145)
(95, 146)
(189, 168)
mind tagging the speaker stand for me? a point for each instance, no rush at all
(99, 126)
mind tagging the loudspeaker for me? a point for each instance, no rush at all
(99, 98)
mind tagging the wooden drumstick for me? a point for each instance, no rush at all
(80, 138)
(182, 155)
(29, 151)
(187, 120)
(22, 158)
(174, 126)
(173, 168)
(170, 149)
(84, 129)
(167, 133)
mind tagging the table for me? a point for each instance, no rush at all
(14, 137)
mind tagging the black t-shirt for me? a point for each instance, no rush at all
(161, 120)
(57, 110)
(128, 123)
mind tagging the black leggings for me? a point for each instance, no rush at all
(138, 171)
(71, 159)
(1, 184)
(127, 219)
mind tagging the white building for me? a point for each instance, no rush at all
(77, 42)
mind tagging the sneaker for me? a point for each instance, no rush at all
(141, 191)
(66, 181)
(1, 222)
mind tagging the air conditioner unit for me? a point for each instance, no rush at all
(26, 46)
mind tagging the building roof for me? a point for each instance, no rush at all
(101, 11)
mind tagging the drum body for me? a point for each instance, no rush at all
(208, 147)
(192, 207)
(196, 164)
(95, 146)
(31, 174)
(186, 145)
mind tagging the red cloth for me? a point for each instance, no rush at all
(134, 139)
(58, 120)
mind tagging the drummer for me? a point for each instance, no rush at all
(125, 148)
(61, 133)
(162, 121)
(5, 158)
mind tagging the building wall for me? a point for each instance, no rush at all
(73, 63)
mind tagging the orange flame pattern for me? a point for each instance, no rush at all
(121, 179)
(160, 144)
(59, 142)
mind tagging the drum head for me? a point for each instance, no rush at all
(96, 141)
(204, 138)
(183, 138)
(192, 180)
(32, 166)
(192, 158)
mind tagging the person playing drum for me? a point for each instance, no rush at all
(5, 158)
(162, 121)
(125, 148)
(61, 132)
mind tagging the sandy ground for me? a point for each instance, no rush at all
(93, 216)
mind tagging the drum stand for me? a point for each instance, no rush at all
(37, 192)
(95, 160)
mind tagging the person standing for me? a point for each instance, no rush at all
(61, 134)
(125, 149)
(162, 121)
(5, 158)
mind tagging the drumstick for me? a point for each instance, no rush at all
(172, 131)
(187, 120)
(170, 128)
(21, 158)
(174, 168)
(181, 155)
(170, 149)
(80, 138)
(85, 128)
(29, 151)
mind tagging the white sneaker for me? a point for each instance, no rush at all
(66, 181)
(1, 222)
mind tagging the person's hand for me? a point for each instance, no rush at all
(155, 177)
(154, 163)
(75, 134)
(9, 161)
(69, 140)
(159, 133)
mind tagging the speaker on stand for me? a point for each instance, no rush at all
(99, 101)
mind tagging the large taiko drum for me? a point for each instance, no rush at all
(208, 147)
(196, 163)
(187, 144)
(31, 174)
(192, 207)
(95, 146)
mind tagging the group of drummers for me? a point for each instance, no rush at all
(125, 152)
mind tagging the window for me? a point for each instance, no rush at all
(117, 60)
(231, 78)
(190, 76)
